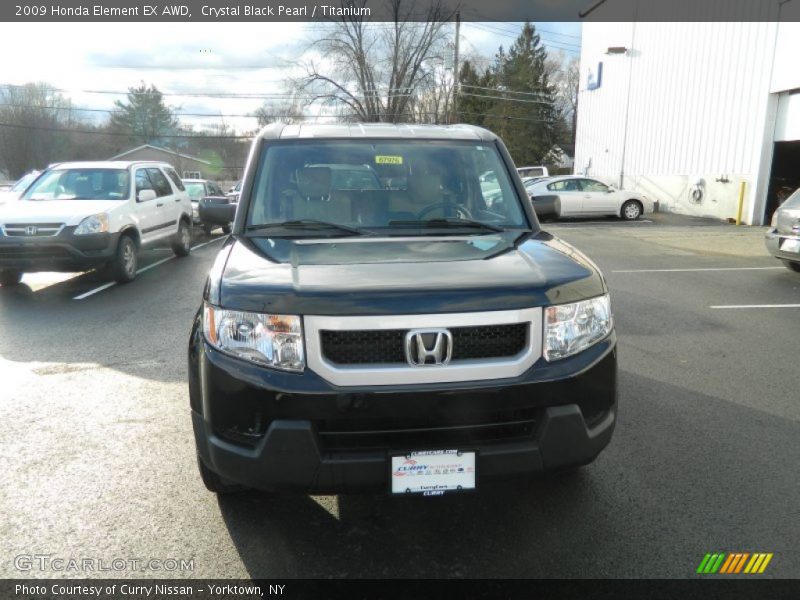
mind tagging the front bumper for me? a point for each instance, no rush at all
(280, 431)
(62, 252)
(775, 241)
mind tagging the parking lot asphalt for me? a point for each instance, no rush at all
(98, 456)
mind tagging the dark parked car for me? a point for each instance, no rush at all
(405, 337)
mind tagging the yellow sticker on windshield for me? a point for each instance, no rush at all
(388, 160)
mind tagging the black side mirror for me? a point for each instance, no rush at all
(216, 210)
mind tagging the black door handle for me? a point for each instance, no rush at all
(177, 199)
(157, 205)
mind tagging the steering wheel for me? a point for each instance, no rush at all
(461, 210)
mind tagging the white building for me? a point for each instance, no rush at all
(685, 112)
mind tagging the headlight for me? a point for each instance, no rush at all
(271, 340)
(93, 224)
(570, 328)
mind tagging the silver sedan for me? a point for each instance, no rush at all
(585, 197)
(783, 237)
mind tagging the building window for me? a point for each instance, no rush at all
(192, 175)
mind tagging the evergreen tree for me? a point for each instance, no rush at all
(472, 108)
(144, 117)
(524, 113)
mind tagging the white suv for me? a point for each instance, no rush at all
(83, 215)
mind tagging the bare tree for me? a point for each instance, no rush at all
(286, 111)
(34, 118)
(564, 74)
(373, 71)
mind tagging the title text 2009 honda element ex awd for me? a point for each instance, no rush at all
(373, 324)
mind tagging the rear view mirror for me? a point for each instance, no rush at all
(145, 195)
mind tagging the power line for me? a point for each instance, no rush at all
(120, 134)
(502, 91)
(557, 44)
(117, 111)
(251, 136)
(506, 99)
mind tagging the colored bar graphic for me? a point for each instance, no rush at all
(734, 563)
(765, 563)
(717, 563)
(741, 562)
(727, 564)
(754, 562)
(703, 563)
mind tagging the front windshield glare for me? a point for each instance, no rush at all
(384, 185)
(81, 184)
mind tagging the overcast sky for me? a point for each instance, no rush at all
(197, 58)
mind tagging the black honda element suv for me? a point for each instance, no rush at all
(388, 315)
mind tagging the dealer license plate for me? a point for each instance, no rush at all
(791, 246)
(433, 472)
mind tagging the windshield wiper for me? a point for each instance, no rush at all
(308, 224)
(446, 224)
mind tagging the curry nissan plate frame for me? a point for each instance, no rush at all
(470, 478)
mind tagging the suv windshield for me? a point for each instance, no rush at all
(80, 184)
(23, 183)
(195, 189)
(393, 186)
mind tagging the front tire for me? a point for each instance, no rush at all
(215, 483)
(10, 277)
(792, 266)
(182, 244)
(123, 267)
(631, 210)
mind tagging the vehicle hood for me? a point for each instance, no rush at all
(7, 196)
(69, 212)
(363, 276)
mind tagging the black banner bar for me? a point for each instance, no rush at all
(381, 10)
(331, 589)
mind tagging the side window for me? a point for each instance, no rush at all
(215, 191)
(160, 183)
(565, 185)
(142, 181)
(590, 185)
(175, 179)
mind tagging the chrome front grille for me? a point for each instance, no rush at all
(375, 350)
(32, 229)
(387, 346)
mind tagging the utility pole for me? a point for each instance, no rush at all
(454, 118)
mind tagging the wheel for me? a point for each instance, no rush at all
(123, 267)
(792, 266)
(557, 209)
(208, 228)
(631, 210)
(226, 229)
(182, 244)
(215, 483)
(10, 277)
